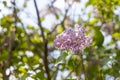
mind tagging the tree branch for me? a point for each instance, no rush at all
(39, 21)
(62, 22)
(10, 41)
(15, 15)
(83, 67)
(45, 41)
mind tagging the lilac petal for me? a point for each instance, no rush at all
(73, 39)
(88, 41)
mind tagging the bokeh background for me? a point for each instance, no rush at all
(29, 27)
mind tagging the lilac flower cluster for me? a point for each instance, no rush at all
(73, 39)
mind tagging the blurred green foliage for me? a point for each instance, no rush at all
(25, 48)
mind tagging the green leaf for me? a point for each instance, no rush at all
(79, 20)
(42, 18)
(25, 60)
(89, 15)
(24, 76)
(93, 21)
(57, 16)
(1, 75)
(22, 70)
(116, 35)
(5, 3)
(59, 29)
(98, 38)
(30, 27)
(3, 56)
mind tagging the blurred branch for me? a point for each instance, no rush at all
(62, 22)
(6, 64)
(10, 41)
(39, 21)
(30, 43)
(83, 67)
(14, 14)
(56, 71)
(52, 2)
(45, 41)
(69, 74)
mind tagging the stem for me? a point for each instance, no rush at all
(10, 41)
(39, 21)
(45, 42)
(83, 67)
(15, 15)
(46, 60)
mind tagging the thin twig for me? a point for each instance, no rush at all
(45, 41)
(10, 42)
(57, 69)
(62, 22)
(8, 59)
(83, 67)
(15, 14)
(39, 21)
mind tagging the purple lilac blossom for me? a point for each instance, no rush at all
(73, 39)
